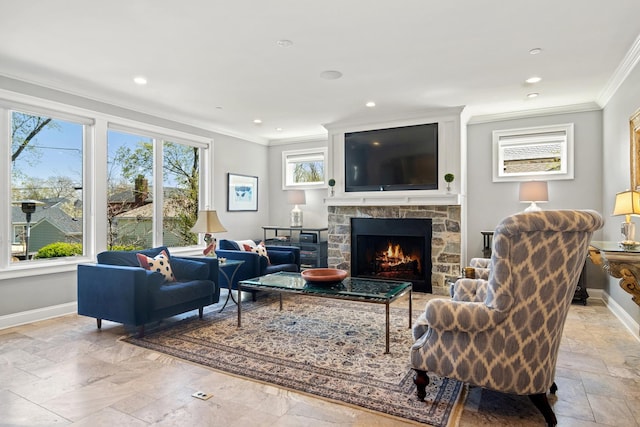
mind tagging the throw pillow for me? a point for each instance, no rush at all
(261, 250)
(159, 263)
(246, 245)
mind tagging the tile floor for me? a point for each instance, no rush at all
(63, 371)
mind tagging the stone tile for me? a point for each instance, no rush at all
(611, 411)
(17, 411)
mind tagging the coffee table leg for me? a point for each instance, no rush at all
(410, 307)
(387, 327)
(239, 305)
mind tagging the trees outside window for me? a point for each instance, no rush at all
(46, 183)
(304, 168)
(132, 194)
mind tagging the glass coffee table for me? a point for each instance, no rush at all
(374, 291)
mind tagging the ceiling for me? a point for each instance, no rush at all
(220, 65)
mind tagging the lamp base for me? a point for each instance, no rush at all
(628, 230)
(533, 207)
(296, 217)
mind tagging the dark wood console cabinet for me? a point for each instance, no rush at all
(311, 241)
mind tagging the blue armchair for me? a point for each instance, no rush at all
(119, 290)
(280, 258)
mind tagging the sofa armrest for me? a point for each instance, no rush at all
(116, 293)
(284, 254)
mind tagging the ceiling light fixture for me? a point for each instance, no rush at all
(257, 121)
(140, 80)
(370, 104)
(532, 80)
(278, 129)
(284, 43)
(532, 95)
(331, 74)
(535, 51)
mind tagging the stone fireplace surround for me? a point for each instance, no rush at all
(445, 241)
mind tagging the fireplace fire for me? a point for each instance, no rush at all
(390, 248)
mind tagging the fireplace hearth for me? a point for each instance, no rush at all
(392, 248)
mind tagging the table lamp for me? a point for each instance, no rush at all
(208, 223)
(627, 203)
(532, 192)
(296, 197)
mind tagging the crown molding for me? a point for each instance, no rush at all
(540, 112)
(627, 65)
(299, 139)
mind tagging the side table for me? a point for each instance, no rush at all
(228, 270)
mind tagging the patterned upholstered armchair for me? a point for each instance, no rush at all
(503, 334)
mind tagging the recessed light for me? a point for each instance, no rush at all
(533, 80)
(370, 104)
(140, 80)
(331, 74)
(284, 43)
(278, 129)
(257, 121)
(535, 51)
(532, 95)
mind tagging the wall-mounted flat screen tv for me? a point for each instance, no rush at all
(393, 159)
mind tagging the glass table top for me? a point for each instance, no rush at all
(349, 288)
(613, 247)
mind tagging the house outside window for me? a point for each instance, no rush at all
(134, 197)
(47, 214)
(304, 169)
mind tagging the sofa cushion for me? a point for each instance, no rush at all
(128, 258)
(176, 293)
(281, 267)
(187, 269)
(159, 263)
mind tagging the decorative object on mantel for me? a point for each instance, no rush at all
(449, 179)
(332, 183)
(208, 223)
(296, 197)
(627, 203)
(533, 192)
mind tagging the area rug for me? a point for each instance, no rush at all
(326, 348)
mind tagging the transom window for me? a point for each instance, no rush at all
(304, 168)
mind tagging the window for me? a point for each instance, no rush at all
(134, 218)
(304, 168)
(544, 152)
(47, 215)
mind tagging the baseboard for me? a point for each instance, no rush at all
(622, 315)
(24, 317)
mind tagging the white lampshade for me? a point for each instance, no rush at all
(532, 192)
(207, 222)
(296, 197)
(627, 203)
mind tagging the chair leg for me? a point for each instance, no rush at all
(421, 380)
(553, 388)
(200, 312)
(541, 402)
(99, 322)
(141, 331)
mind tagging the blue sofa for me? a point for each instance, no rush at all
(281, 258)
(119, 290)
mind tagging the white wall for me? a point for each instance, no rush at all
(26, 298)
(488, 202)
(615, 157)
(314, 212)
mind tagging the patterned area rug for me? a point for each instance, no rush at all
(327, 348)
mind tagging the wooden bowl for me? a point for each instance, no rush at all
(323, 275)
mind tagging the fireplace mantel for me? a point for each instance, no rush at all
(386, 199)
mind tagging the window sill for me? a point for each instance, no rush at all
(38, 268)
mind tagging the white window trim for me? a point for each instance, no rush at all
(562, 133)
(309, 152)
(97, 125)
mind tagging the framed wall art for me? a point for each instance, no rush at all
(242, 192)
(634, 128)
